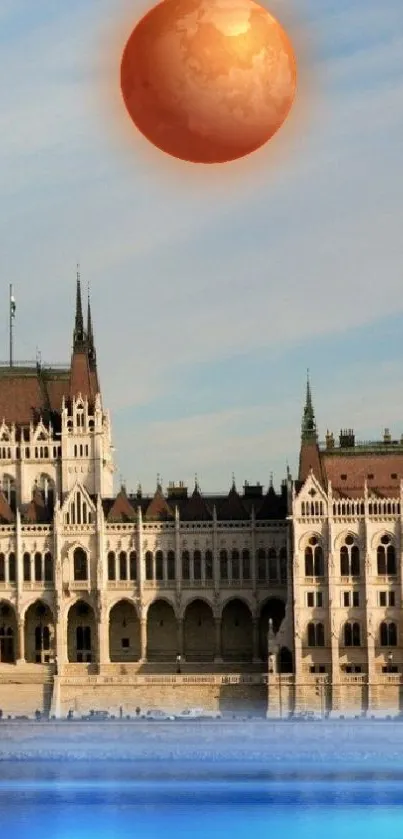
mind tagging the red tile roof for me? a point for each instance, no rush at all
(6, 514)
(121, 509)
(159, 508)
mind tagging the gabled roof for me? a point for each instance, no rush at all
(158, 508)
(6, 514)
(196, 508)
(121, 509)
(232, 507)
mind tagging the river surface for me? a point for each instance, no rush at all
(174, 797)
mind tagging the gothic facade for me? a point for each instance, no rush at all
(301, 588)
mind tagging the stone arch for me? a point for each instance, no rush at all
(236, 631)
(340, 539)
(198, 631)
(162, 634)
(376, 539)
(273, 608)
(8, 633)
(304, 540)
(124, 631)
(81, 632)
(39, 633)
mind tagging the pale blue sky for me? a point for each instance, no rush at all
(213, 288)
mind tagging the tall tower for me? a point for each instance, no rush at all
(86, 433)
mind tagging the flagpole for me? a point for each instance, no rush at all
(11, 325)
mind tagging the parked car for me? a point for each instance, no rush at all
(158, 714)
(96, 716)
(191, 714)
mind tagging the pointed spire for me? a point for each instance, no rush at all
(79, 335)
(308, 426)
(90, 334)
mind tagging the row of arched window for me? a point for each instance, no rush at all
(350, 558)
(233, 565)
(31, 452)
(38, 568)
(81, 450)
(121, 566)
(351, 634)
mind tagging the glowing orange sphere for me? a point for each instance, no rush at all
(208, 81)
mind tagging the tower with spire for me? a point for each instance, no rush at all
(308, 425)
(309, 457)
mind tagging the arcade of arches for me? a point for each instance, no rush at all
(199, 636)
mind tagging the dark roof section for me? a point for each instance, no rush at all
(197, 508)
(232, 508)
(274, 506)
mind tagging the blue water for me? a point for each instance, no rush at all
(66, 800)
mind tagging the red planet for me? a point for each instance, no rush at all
(208, 81)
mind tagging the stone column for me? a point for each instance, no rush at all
(218, 640)
(255, 639)
(60, 641)
(180, 636)
(103, 635)
(21, 642)
(143, 639)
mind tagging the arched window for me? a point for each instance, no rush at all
(38, 567)
(349, 558)
(388, 634)
(159, 565)
(344, 561)
(223, 565)
(149, 565)
(245, 564)
(316, 635)
(311, 635)
(208, 564)
(111, 566)
(386, 557)
(26, 561)
(352, 634)
(308, 561)
(2, 568)
(235, 569)
(171, 575)
(273, 571)
(185, 565)
(48, 567)
(12, 571)
(261, 564)
(320, 635)
(133, 565)
(197, 565)
(122, 565)
(283, 565)
(80, 565)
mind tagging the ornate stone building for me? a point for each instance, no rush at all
(100, 593)
(346, 571)
(94, 584)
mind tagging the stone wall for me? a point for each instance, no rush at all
(216, 694)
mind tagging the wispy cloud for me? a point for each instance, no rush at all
(186, 267)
